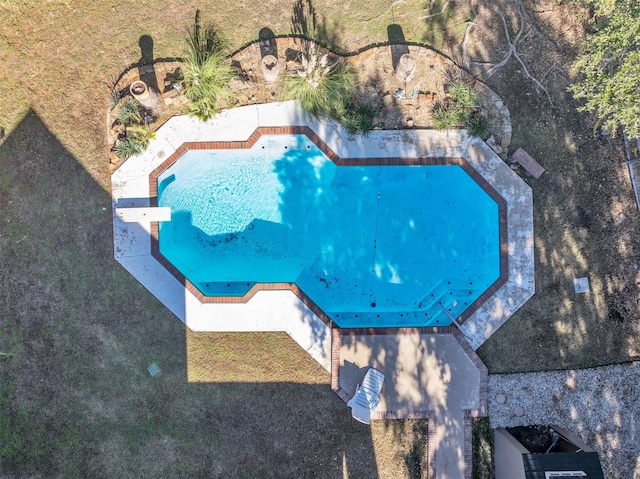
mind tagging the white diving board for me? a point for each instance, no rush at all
(144, 214)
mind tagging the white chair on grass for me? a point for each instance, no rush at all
(367, 395)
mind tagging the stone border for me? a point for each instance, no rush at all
(490, 100)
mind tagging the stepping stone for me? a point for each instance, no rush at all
(528, 163)
(154, 370)
(581, 285)
(518, 411)
(501, 398)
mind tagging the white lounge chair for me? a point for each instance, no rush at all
(366, 398)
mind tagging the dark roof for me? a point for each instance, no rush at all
(535, 465)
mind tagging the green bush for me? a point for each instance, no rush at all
(446, 117)
(127, 147)
(206, 71)
(461, 109)
(136, 135)
(477, 125)
(206, 85)
(321, 88)
(608, 63)
(141, 134)
(129, 112)
(356, 118)
(463, 96)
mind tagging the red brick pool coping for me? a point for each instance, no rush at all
(305, 130)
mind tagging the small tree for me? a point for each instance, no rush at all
(610, 65)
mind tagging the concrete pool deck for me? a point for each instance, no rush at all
(283, 310)
(431, 373)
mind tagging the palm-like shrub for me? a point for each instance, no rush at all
(478, 125)
(356, 118)
(127, 147)
(322, 84)
(136, 136)
(129, 112)
(460, 109)
(205, 85)
(141, 134)
(206, 71)
(134, 142)
(445, 118)
(464, 96)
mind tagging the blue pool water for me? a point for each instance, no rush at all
(374, 246)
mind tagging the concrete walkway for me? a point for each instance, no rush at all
(434, 376)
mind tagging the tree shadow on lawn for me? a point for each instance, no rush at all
(77, 399)
(585, 224)
(444, 24)
(585, 217)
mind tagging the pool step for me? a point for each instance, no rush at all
(454, 296)
(455, 288)
(222, 288)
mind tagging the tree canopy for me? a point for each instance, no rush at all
(610, 65)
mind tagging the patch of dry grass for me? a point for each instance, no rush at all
(249, 357)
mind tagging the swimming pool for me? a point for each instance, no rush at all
(372, 246)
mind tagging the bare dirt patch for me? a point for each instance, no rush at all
(585, 216)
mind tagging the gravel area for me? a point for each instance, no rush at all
(600, 405)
